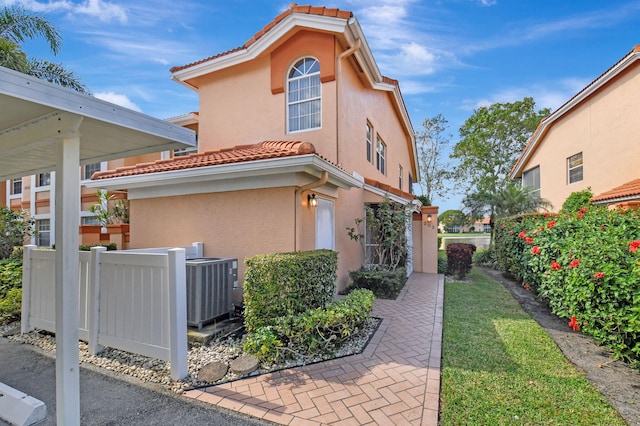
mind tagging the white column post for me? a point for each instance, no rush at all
(26, 288)
(67, 215)
(178, 312)
(94, 299)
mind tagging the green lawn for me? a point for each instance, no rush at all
(500, 367)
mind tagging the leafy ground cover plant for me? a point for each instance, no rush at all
(10, 290)
(586, 265)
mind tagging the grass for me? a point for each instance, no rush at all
(501, 368)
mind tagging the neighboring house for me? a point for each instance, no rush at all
(297, 132)
(35, 194)
(590, 141)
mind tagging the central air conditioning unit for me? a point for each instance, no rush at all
(210, 283)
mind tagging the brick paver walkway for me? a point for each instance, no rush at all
(396, 380)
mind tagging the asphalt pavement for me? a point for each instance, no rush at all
(107, 399)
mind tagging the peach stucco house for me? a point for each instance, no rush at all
(298, 115)
(590, 141)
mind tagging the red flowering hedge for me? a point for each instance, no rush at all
(459, 259)
(586, 265)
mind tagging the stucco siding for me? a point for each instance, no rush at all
(604, 128)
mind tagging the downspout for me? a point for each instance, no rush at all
(348, 52)
(296, 210)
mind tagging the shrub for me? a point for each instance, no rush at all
(485, 257)
(286, 284)
(586, 266)
(459, 259)
(109, 246)
(315, 332)
(384, 284)
(11, 306)
(10, 290)
(577, 200)
(15, 226)
(442, 265)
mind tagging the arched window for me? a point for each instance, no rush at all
(304, 96)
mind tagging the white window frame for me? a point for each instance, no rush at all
(307, 70)
(369, 142)
(83, 170)
(531, 179)
(12, 191)
(38, 179)
(575, 163)
(381, 155)
(39, 232)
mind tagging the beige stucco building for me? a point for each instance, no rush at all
(590, 141)
(297, 132)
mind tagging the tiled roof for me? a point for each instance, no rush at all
(625, 191)
(237, 154)
(293, 8)
(389, 188)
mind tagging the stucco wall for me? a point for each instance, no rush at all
(604, 128)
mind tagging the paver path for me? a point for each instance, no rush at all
(396, 380)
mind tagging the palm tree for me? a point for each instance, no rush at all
(511, 200)
(17, 26)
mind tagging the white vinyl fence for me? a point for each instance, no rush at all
(134, 301)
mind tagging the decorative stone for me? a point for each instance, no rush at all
(213, 371)
(244, 364)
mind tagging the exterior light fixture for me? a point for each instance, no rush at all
(429, 218)
(313, 201)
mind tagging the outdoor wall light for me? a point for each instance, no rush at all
(429, 218)
(313, 201)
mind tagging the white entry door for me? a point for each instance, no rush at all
(325, 225)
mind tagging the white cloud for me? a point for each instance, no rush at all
(118, 99)
(551, 94)
(104, 11)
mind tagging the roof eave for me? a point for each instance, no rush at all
(323, 23)
(309, 163)
(620, 66)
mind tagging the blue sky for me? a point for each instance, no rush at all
(450, 56)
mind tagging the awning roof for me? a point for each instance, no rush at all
(36, 113)
(44, 127)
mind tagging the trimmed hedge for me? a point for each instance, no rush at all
(109, 246)
(586, 265)
(384, 284)
(316, 332)
(10, 290)
(459, 259)
(286, 284)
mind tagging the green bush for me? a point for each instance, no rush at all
(11, 306)
(315, 332)
(384, 284)
(442, 265)
(10, 289)
(459, 259)
(577, 200)
(109, 246)
(485, 257)
(586, 265)
(286, 284)
(15, 226)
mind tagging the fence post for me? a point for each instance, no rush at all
(178, 312)
(93, 310)
(26, 288)
(199, 249)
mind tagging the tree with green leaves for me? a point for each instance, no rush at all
(17, 26)
(15, 227)
(431, 143)
(491, 141)
(451, 218)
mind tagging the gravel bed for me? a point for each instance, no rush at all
(153, 370)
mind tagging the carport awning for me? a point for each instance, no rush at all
(44, 127)
(35, 114)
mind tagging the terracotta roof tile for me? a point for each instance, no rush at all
(389, 188)
(237, 154)
(293, 8)
(627, 190)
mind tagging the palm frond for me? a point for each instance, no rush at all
(18, 25)
(57, 74)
